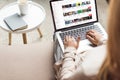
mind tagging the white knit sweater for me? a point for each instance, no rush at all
(80, 66)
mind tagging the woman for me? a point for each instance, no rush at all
(110, 70)
(68, 70)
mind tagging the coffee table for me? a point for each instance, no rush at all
(34, 18)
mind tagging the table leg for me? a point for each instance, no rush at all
(39, 32)
(24, 38)
(10, 38)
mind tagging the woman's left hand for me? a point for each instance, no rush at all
(70, 41)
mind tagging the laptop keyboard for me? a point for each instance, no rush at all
(81, 32)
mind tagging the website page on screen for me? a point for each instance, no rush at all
(69, 13)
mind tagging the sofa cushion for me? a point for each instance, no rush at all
(27, 62)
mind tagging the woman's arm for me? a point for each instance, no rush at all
(68, 62)
(69, 69)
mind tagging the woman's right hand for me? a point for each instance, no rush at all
(94, 37)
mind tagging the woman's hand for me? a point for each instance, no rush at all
(94, 37)
(69, 41)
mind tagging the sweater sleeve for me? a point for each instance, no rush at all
(71, 68)
(68, 63)
(102, 41)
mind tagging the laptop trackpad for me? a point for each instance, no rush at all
(85, 45)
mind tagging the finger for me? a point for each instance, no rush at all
(66, 38)
(69, 38)
(65, 43)
(73, 38)
(90, 39)
(87, 32)
(78, 39)
(91, 34)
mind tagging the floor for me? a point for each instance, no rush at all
(47, 27)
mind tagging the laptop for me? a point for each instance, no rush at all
(75, 18)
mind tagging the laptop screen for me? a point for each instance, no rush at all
(69, 13)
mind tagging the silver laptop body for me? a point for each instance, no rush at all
(77, 16)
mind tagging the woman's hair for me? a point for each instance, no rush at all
(108, 1)
(110, 69)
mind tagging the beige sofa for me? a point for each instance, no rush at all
(27, 62)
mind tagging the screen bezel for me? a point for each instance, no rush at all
(74, 25)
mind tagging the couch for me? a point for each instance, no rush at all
(27, 62)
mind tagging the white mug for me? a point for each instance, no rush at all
(23, 7)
